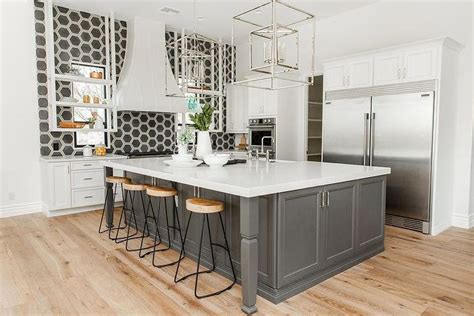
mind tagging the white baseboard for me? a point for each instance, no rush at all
(435, 230)
(463, 220)
(20, 209)
(76, 210)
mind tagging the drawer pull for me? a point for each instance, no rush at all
(87, 165)
(89, 197)
(87, 178)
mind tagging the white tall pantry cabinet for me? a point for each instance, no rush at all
(383, 70)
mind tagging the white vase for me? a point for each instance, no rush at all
(203, 144)
(182, 149)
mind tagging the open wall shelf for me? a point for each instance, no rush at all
(109, 80)
(315, 120)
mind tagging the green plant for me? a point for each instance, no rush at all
(203, 120)
(186, 136)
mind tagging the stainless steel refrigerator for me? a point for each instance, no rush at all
(389, 131)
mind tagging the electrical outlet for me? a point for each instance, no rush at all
(55, 146)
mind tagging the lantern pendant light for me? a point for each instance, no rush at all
(276, 33)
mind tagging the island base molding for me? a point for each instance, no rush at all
(290, 240)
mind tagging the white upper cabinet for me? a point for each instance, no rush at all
(359, 73)
(335, 76)
(355, 73)
(411, 62)
(237, 109)
(420, 64)
(388, 68)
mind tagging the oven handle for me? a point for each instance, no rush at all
(261, 126)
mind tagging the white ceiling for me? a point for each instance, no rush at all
(217, 13)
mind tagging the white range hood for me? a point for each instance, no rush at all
(141, 86)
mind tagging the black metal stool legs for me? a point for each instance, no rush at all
(225, 247)
(168, 227)
(114, 192)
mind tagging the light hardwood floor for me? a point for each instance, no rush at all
(62, 266)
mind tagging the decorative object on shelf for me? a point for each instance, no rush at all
(87, 151)
(96, 100)
(86, 98)
(66, 124)
(97, 120)
(196, 54)
(91, 120)
(73, 71)
(185, 136)
(279, 50)
(100, 150)
(96, 75)
(69, 99)
(202, 122)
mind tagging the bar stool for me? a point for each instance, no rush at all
(205, 207)
(115, 181)
(131, 189)
(162, 193)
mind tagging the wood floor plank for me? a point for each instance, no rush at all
(62, 265)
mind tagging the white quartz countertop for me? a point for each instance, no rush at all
(82, 158)
(253, 178)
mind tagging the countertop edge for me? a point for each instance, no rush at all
(253, 192)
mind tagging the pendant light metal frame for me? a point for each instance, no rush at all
(276, 69)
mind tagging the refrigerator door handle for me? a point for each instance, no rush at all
(372, 136)
(366, 135)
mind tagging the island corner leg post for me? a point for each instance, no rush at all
(249, 252)
(109, 205)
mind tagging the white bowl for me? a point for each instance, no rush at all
(216, 160)
(182, 157)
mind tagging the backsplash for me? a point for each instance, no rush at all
(80, 36)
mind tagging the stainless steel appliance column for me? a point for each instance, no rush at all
(401, 139)
(345, 131)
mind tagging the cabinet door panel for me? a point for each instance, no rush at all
(360, 73)
(387, 68)
(237, 108)
(340, 221)
(334, 76)
(270, 107)
(59, 185)
(420, 64)
(256, 102)
(299, 228)
(371, 211)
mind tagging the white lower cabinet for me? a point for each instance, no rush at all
(74, 186)
(59, 185)
(85, 197)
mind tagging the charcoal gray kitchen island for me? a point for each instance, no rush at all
(290, 225)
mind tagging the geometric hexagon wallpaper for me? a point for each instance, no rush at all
(80, 36)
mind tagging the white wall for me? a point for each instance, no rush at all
(19, 133)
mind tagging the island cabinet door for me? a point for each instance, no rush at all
(371, 213)
(299, 235)
(339, 213)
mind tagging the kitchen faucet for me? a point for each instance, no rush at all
(267, 154)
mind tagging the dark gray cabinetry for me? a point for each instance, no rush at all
(339, 221)
(371, 212)
(300, 235)
(305, 236)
